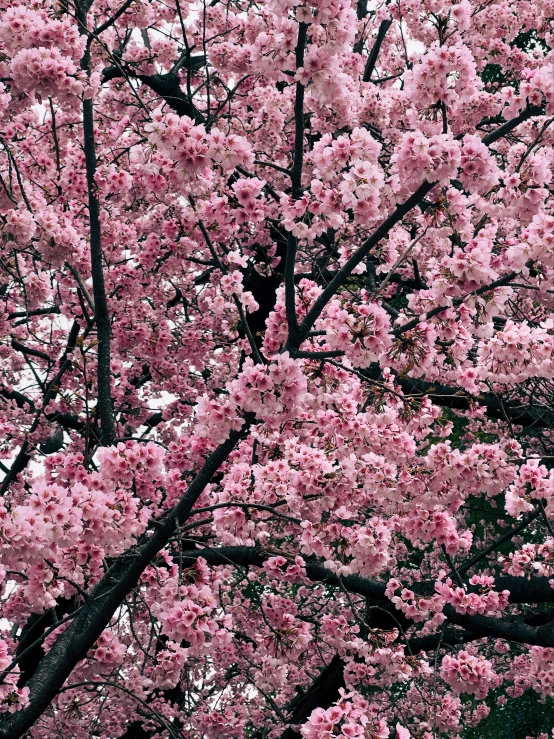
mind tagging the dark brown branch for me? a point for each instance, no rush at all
(296, 353)
(102, 315)
(73, 645)
(18, 465)
(451, 637)
(165, 85)
(374, 53)
(458, 301)
(322, 694)
(383, 230)
(453, 397)
(20, 399)
(342, 275)
(505, 128)
(82, 285)
(537, 590)
(24, 456)
(35, 312)
(296, 179)
(29, 351)
(497, 628)
(495, 544)
(118, 13)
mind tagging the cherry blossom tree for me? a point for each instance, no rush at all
(277, 367)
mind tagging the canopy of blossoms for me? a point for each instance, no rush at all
(276, 367)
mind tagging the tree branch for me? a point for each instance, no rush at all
(296, 179)
(118, 13)
(453, 397)
(537, 590)
(95, 614)
(374, 53)
(165, 85)
(105, 404)
(29, 351)
(322, 694)
(498, 133)
(360, 254)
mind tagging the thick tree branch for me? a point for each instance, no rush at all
(106, 597)
(165, 85)
(453, 397)
(537, 590)
(296, 178)
(450, 637)
(342, 275)
(29, 351)
(374, 53)
(105, 405)
(322, 694)
(505, 128)
(35, 312)
(102, 315)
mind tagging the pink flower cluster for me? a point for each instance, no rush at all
(20, 226)
(361, 331)
(535, 670)
(288, 636)
(530, 559)
(23, 27)
(466, 673)
(311, 215)
(131, 460)
(418, 158)
(250, 197)
(369, 548)
(231, 284)
(192, 148)
(486, 465)
(350, 717)
(534, 89)
(479, 171)
(485, 601)
(190, 618)
(283, 569)
(347, 176)
(167, 670)
(415, 607)
(445, 710)
(332, 31)
(331, 157)
(517, 352)
(537, 243)
(423, 526)
(190, 612)
(46, 72)
(108, 652)
(472, 266)
(12, 698)
(216, 417)
(534, 481)
(55, 517)
(59, 237)
(274, 393)
(37, 289)
(445, 74)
